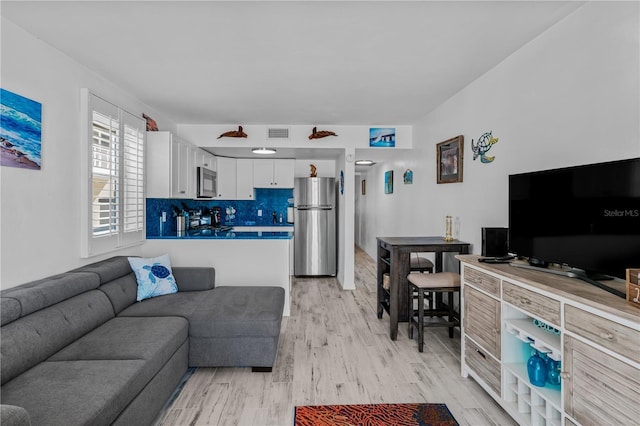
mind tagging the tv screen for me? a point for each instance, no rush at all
(587, 217)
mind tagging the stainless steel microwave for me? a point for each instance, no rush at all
(207, 183)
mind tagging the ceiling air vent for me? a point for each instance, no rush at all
(278, 133)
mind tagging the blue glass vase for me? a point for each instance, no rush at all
(553, 376)
(537, 369)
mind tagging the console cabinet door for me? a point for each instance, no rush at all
(587, 373)
(482, 320)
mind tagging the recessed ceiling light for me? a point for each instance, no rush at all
(263, 150)
(364, 163)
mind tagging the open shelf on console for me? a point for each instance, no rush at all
(534, 405)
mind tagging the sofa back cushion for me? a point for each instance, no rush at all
(33, 338)
(9, 310)
(117, 281)
(36, 295)
(122, 292)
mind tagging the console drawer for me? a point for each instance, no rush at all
(482, 364)
(536, 304)
(483, 281)
(481, 319)
(613, 336)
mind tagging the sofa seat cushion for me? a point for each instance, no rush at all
(152, 339)
(94, 378)
(177, 305)
(238, 312)
(89, 392)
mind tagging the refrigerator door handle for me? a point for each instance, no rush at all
(314, 207)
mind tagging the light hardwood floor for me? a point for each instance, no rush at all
(335, 350)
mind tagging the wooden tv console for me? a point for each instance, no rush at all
(596, 338)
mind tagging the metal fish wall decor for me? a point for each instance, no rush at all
(234, 134)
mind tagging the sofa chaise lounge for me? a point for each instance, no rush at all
(78, 349)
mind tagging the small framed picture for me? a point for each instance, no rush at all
(388, 182)
(449, 158)
(384, 137)
(364, 186)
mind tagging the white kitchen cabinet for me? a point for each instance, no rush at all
(209, 161)
(244, 179)
(170, 172)
(273, 173)
(205, 159)
(226, 178)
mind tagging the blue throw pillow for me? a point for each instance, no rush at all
(154, 276)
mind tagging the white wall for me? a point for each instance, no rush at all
(346, 213)
(571, 96)
(40, 211)
(206, 136)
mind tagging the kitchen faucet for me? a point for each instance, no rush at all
(275, 217)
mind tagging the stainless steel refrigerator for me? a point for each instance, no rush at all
(314, 236)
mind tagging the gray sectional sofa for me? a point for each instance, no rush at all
(78, 349)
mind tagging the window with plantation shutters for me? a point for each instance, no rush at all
(114, 186)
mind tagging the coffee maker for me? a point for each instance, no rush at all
(211, 217)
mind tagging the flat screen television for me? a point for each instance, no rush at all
(585, 217)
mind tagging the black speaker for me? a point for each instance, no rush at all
(495, 241)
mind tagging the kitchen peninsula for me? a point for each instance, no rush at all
(240, 258)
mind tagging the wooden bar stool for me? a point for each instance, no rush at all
(421, 264)
(440, 282)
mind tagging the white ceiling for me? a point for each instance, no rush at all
(289, 62)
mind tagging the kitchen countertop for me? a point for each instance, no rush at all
(225, 235)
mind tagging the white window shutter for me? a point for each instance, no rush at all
(113, 170)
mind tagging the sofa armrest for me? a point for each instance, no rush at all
(12, 415)
(192, 278)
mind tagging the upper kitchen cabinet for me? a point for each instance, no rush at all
(273, 173)
(226, 176)
(170, 166)
(205, 159)
(244, 179)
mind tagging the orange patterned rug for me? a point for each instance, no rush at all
(374, 415)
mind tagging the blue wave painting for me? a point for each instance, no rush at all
(382, 137)
(20, 131)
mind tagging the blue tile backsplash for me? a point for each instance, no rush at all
(267, 200)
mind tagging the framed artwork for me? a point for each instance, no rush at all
(388, 182)
(364, 186)
(449, 159)
(20, 131)
(384, 137)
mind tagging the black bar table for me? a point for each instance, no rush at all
(394, 258)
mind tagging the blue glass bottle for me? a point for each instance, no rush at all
(537, 369)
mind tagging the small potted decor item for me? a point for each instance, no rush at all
(234, 134)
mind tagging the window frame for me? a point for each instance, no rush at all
(121, 185)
